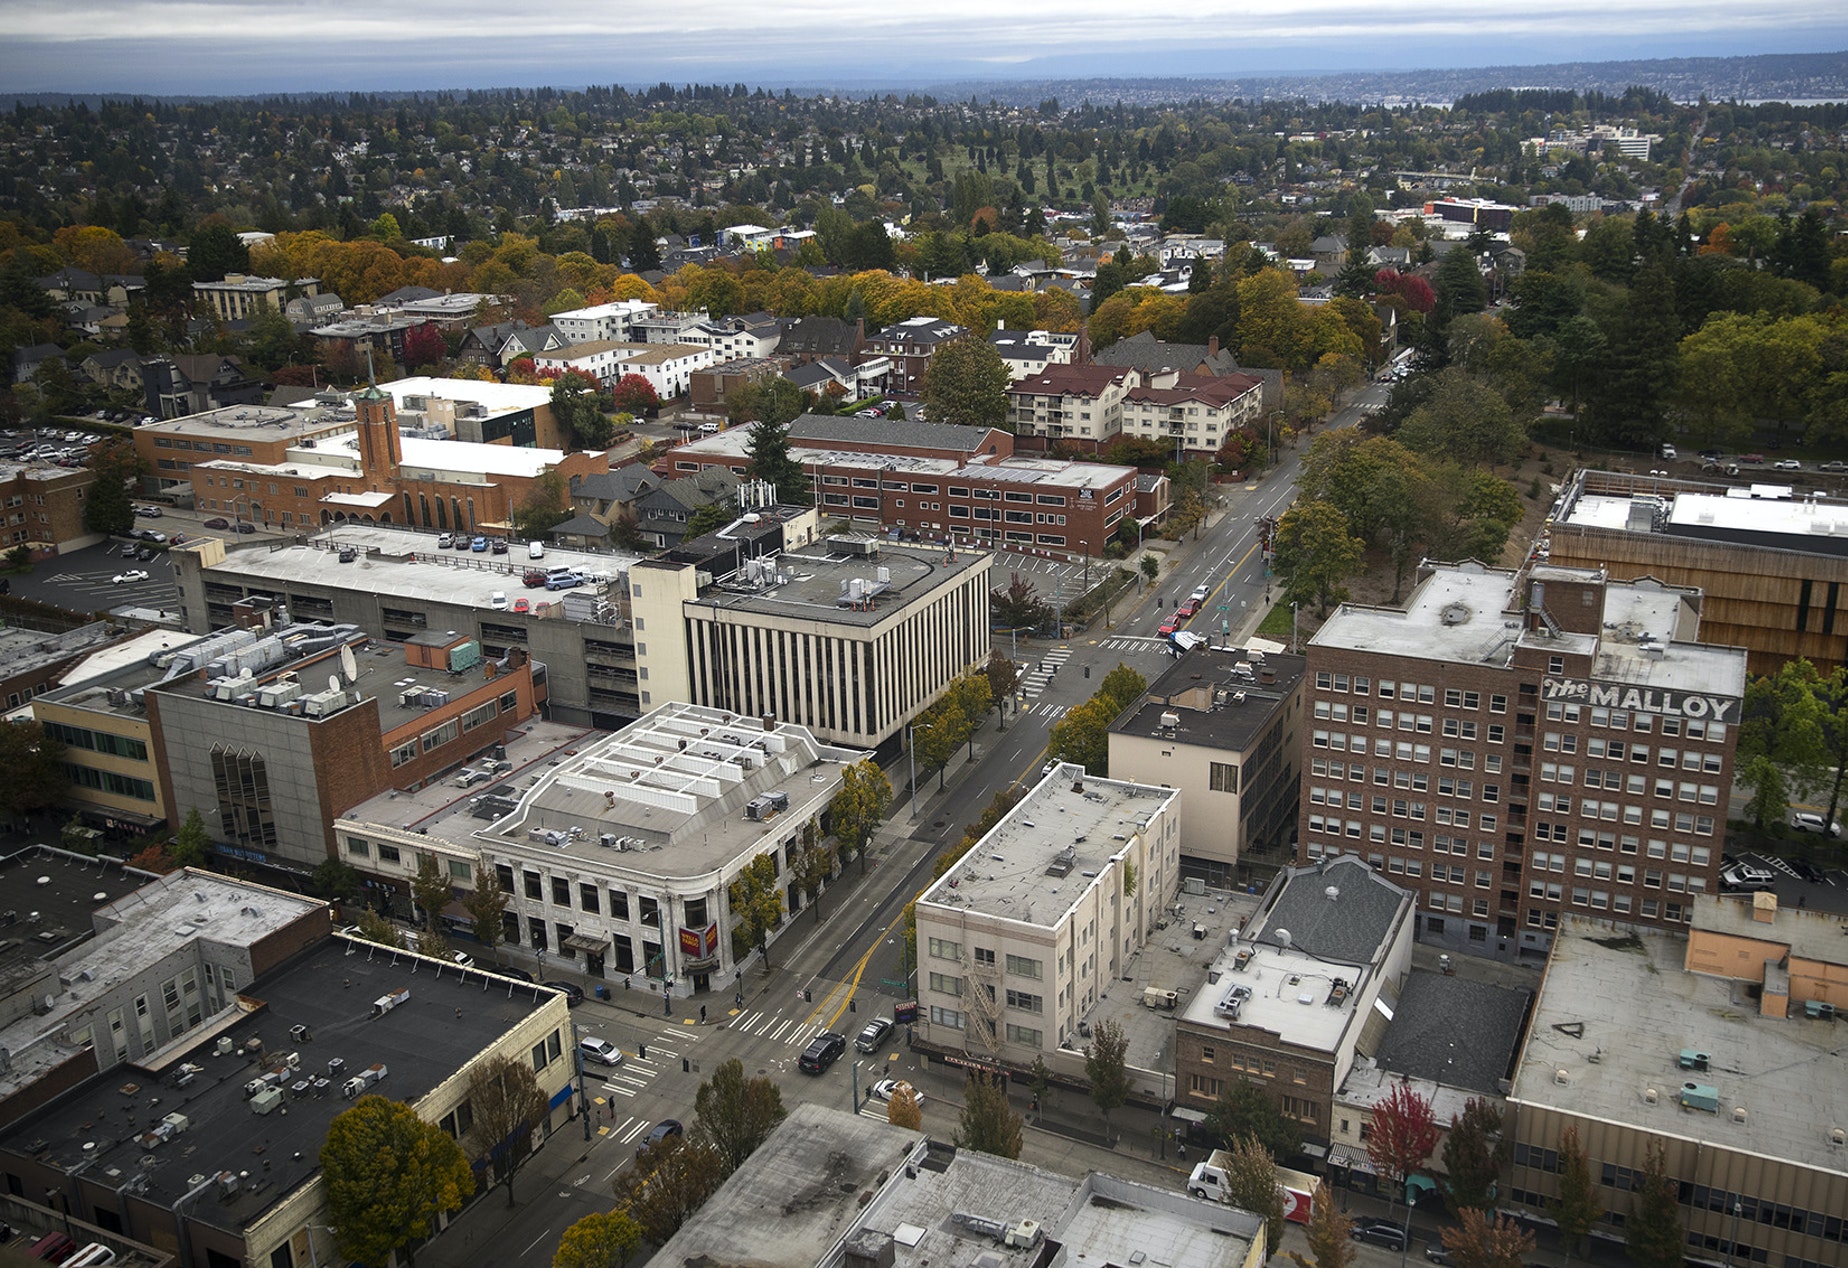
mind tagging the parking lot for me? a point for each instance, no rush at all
(84, 580)
(1819, 884)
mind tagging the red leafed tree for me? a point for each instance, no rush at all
(1414, 290)
(1402, 1135)
(423, 345)
(522, 370)
(635, 395)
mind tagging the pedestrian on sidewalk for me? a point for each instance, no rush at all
(702, 1014)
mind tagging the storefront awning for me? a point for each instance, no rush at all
(588, 943)
(1187, 1115)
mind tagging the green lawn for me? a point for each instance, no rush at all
(1276, 622)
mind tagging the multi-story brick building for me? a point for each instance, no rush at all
(43, 506)
(1517, 745)
(940, 481)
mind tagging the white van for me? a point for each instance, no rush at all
(535, 550)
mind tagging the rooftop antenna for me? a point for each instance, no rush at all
(347, 666)
(372, 375)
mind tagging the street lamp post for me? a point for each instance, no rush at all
(1411, 1200)
(314, 1259)
(1732, 1238)
(911, 759)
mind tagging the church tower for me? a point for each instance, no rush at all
(380, 450)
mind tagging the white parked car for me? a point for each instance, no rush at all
(602, 1051)
(886, 1088)
(125, 578)
(1809, 821)
(1200, 593)
(1742, 874)
(1787, 464)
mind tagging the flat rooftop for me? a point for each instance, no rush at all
(817, 584)
(495, 398)
(452, 1016)
(1071, 819)
(145, 920)
(1223, 698)
(405, 564)
(1299, 965)
(259, 422)
(1054, 473)
(671, 793)
(24, 651)
(1467, 613)
(801, 1203)
(1631, 1009)
(1455, 1032)
(1771, 515)
(47, 898)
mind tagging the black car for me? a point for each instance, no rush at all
(573, 993)
(1806, 871)
(662, 1130)
(823, 1051)
(1377, 1232)
(1435, 1253)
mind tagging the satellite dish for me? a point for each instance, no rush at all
(333, 682)
(1283, 937)
(347, 666)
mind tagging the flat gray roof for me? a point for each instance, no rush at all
(450, 1017)
(1242, 701)
(142, 921)
(1615, 1011)
(669, 791)
(818, 584)
(404, 564)
(1006, 874)
(1454, 1031)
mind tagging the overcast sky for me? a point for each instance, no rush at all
(242, 46)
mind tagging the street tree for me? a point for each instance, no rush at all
(1244, 1110)
(1403, 1135)
(859, 807)
(666, 1183)
(543, 507)
(508, 1106)
(987, 1123)
(602, 1239)
(1082, 736)
(484, 904)
(1315, 553)
(1577, 1207)
(1003, 678)
(423, 345)
(1653, 1233)
(1465, 420)
(903, 1109)
(431, 892)
(387, 1176)
(1122, 686)
(1331, 1244)
(770, 461)
(1251, 1185)
(966, 383)
(334, 879)
(758, 903)
(191, 843)
(1475, 1155)
(577, 405)
(1482, 1240)
(737, 1113)
(973, 697)
(938, 734)
(374, 927)
(814, 864)
(35, 778)
(1106, 1067)
(1020, 606)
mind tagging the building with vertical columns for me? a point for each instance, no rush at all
(1517, 746)
(851, 639)
(625, 852)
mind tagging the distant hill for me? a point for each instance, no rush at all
(1773, 77)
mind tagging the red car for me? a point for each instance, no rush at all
(1189, 608)
(1172, 624)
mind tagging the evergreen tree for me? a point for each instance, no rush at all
(768, 449)
(1640, 364)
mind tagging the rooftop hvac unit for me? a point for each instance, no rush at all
(1693, 1060)
(266, 1101)
(1700, 1096)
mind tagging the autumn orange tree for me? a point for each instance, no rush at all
(1484, 1241)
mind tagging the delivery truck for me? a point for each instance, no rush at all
(1209, 1181)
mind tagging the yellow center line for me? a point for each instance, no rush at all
(845, 991)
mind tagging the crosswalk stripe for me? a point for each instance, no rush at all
(631, 1133)
(613, 1090)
